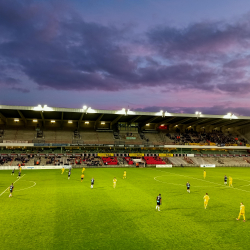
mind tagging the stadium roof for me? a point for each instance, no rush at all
(45, 113)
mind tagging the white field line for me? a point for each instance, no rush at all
(166, 182)
(27, 187)
(209, 182)
(176, 184)
(241, 179)
(245, 185)
(13, 183)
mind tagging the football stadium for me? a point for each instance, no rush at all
(122, 179)
(124, 125)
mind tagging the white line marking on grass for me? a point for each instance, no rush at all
(166, 182)
(210, 182)
(13, 183)
(176, 184)
(241, 179)
(27, 187)
(245, 185)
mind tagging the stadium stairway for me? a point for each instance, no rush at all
(121, 160)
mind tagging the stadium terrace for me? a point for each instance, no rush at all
(43, 129)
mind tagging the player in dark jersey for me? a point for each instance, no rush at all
(158, 202)
(225, 180)
(92, 182)
(13, 171)
(69, 173)
(11, 189)
(188, 187)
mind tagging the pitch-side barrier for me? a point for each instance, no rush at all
(164, 166)
(207, 165)
(35, 167)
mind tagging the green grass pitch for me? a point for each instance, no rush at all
(48, 211)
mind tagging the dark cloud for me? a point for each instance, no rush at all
(8, 81)
(200, 39)
(235, 87)
(22, 90)
(55, 47)
(213, 110)
(238, 63)
(183, 75)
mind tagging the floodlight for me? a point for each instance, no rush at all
(70, 121)
(16, 120)
(34, 120)
(53, 121)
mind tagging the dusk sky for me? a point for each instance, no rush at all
(148, 55)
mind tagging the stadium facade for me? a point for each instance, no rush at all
(86, 131)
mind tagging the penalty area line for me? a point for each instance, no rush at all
(233, 188)
(176, 184)
(27, 187)
(13, 183)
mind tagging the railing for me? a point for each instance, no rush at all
(110, 142)
(38, 141)
(76, 141)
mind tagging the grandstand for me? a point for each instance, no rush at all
(91, 137)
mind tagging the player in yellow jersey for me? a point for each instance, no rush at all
(124, 174)
(20, 169)
(242, 212)
(114, 182)
(206, 198)
(230, 181)
(83, 169)
(63, 170)
(204, 174)
(82, 177)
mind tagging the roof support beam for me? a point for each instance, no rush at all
(197, 122)
(150, 120)
(3, 118)
(166, 121)
(22, 116)
(98, 119)
(41, 112)
(228, 122)
(181, 121)
(213, 122)
(134, 119)
(115, 120)
(62, 120)
(243, 123)
(80, 121)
